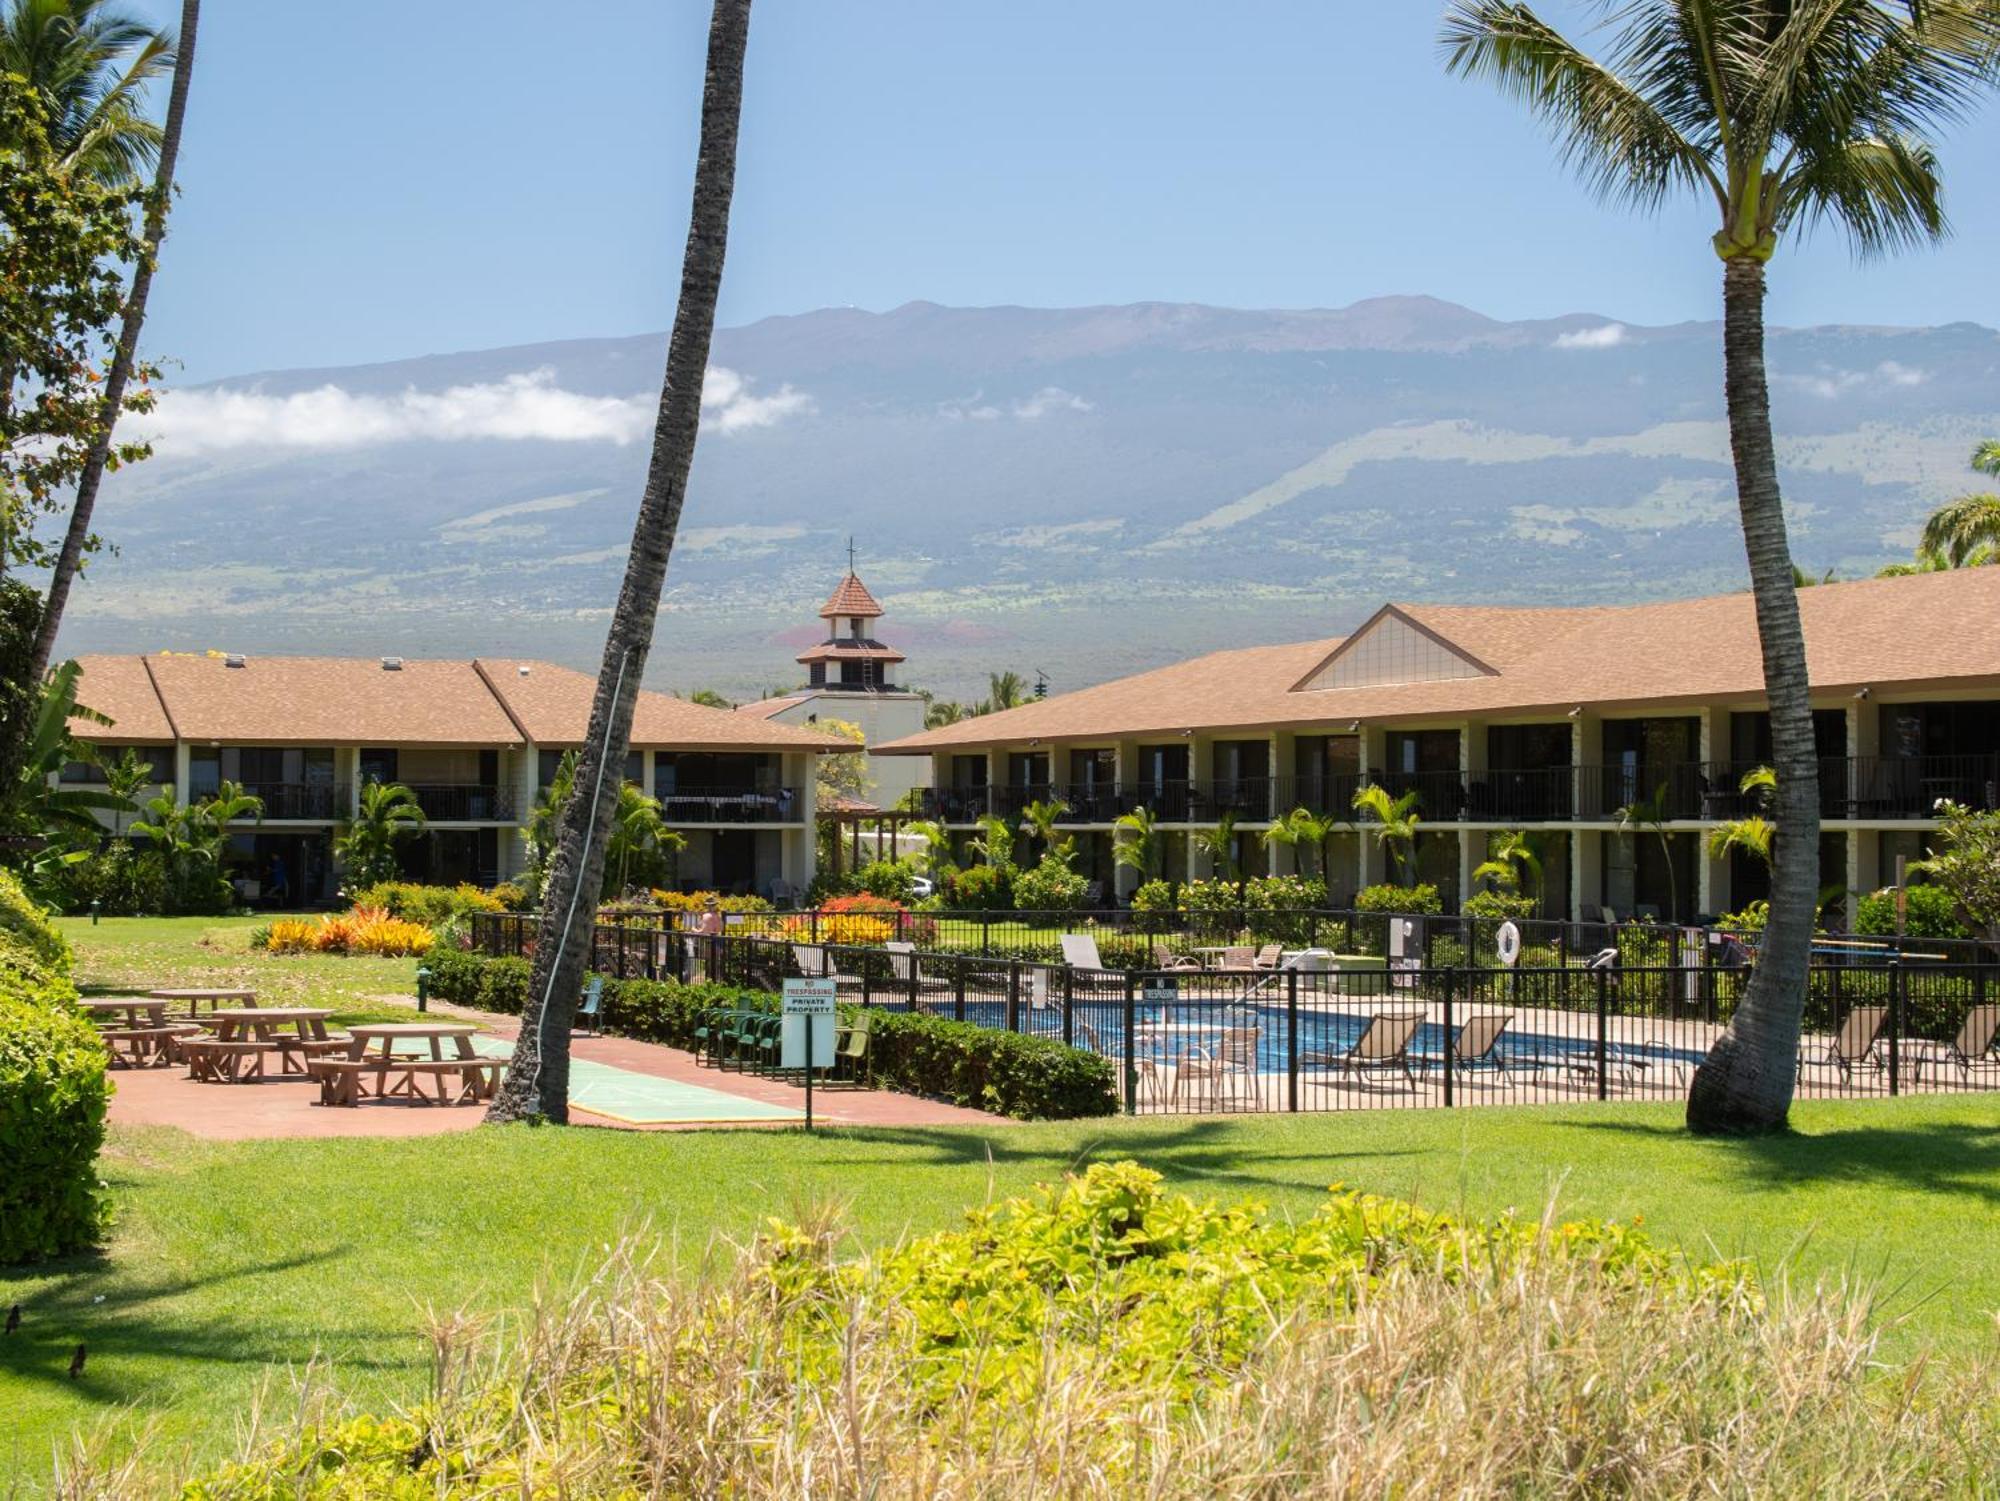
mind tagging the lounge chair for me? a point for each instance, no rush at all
(1079, 951)
(1477, 1043)
(1383, 1044)
(1165, 958)
(1976, 1037)
(1853, 1043)
(907, 971)
(1270, 956)
(815, 963)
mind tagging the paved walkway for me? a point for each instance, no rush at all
(285, 1107)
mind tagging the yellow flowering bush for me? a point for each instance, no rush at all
(365, 930)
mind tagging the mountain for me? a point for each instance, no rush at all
(1079, 491)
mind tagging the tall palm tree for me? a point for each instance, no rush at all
(76, 537)
(1779, 111)
(639, 844)
(1043, 820)
(1004, 690)
(91, 62)
(1966, 531)
(538, 1080)
(1303, 829)
(1396, 822)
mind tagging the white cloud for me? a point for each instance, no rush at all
(1049, 399)
(1829, 383)
(975, 408)
(528, 405)
(1604, 336)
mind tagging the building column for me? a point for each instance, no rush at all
(181, 771)
(1586, 872)
(1372, 750)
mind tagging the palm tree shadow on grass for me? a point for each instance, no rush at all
(138, 1318)
(1955, 1158)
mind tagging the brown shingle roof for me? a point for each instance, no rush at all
(1935, 628)
(328, 701)
(764, 708)
(553, 705)
(119, 687)
(850, 597)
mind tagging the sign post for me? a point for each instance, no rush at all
(807, 1039)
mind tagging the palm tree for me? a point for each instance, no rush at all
(1304, 829)
(125, 778)
(996, 840)
(1041, 819)
(91, 63)
(1136, 842)
(1651, 814)
(76, 537)
(1513, 863)
(1779, 111)
(193, 841)
(1004, 690)
(1966, 531)
(940, 712)
(537, 1083)
(366, 847)
(934, 858)
(640, 841)
(1396, 822)
(1219, 844)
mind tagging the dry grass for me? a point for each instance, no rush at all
(1539, 1377)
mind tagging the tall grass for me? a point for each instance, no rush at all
(1456, 1374)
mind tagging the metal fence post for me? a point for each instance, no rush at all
(1603, 1041)
(985, 931)
(1450, 985)
(1131, 1061)
(1013, 995)
(1069, 1000)
(1897, 982)
(958, 992)
(1292, 1040)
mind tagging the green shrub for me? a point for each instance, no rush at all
(1157, 905)
(1212, 909)
(1411, 900)
(123, 880)
(1280, 908)
(979, 888)
(512, 897)
(1029, 1078)
(1929, 912)
(1050, 886)
(433, 906)
(894, 880)
(53, 1092)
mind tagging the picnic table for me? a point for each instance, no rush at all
(395, 1057)
(146, 1038)
(295, 1033)
(216, 996)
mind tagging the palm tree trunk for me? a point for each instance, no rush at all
(538, 1079)
(157, 203)
(1745, 1084)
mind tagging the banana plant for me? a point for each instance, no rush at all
(41, 804)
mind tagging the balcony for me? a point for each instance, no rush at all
(320, 801)
(464, 802)
(682, 806)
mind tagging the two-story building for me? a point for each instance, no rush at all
(1560, 721)
(475, 740)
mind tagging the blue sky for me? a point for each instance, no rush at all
(383, 178)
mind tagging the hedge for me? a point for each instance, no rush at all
(53, 1092)
(1030, 1078)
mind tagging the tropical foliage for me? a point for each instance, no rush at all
(1308, 833)
(1650, 815)
(1136, 840)
(1394, 822)
(1965, 862)
(192, 843)
(364, 930)
(366, 847)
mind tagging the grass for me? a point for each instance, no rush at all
(229, 1259)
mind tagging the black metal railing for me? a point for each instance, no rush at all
(1402, 1034)
(464, 802)
(311, 800)
(703, 805)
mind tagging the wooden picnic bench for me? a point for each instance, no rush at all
(135, 1029)
(217, 996)
(390, 1071)
(297, 1034)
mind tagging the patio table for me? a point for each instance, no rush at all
(130, 1007)
(145, 1037)
(408, 1051)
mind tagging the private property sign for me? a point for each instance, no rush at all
(806, 1043)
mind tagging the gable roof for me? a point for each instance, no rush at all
(1934, 629)
(552, 705)
(358, 701)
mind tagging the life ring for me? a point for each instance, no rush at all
(1508, 942)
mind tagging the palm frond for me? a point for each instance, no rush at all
(1986, 457)
(1959, 528)
(1606, 129)
(1884, 192)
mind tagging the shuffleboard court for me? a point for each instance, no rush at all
(643, 1100)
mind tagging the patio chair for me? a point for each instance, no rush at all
(1165, 958)
(1853, 1043)
(1270, 956)
(1079, 951)
(590, 1009)
(1977, 1035)
(1384, 1044)
(815, 963)
(907, 971)
(1477, 1042)
(1233, 1057)
(850, 1050)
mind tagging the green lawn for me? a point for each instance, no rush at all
(147, 953)
(229, 1258)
